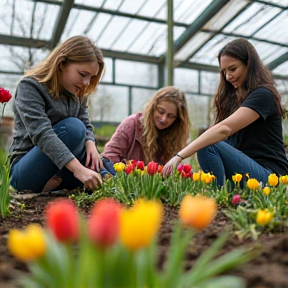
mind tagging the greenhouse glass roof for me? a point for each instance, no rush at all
(137, 29)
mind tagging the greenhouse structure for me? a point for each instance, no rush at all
(147, 44)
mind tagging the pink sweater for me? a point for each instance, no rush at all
(127, 142)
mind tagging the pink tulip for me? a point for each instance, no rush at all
(236, 199)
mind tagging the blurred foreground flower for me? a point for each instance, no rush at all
(197, 211)
(27, 244)
(103, 224)
(62, 219)
(140, 223)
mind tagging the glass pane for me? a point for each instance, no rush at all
(92, 3)
(186, 79)
(199, 107)
(18, 59)
(209, 82)
(251, 19)
(107, 77)
(140, 97)
(147, 74)
(77, 23)
(109, 103)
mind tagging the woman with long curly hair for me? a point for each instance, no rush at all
(54, 144)
(154, 134)
(247, 134)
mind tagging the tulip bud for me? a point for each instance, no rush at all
(236, 199)
(152, 168)
(62, 219)
(104, 222)
(197, 211)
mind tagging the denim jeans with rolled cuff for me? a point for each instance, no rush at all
(224, 161)
(35, 168)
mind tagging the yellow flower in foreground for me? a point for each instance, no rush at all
(28, 244)
(237, 177)
(283, 179)
(264, 217)
(253, 184)
(139, 224)
(198, 211)
(196, 176)
(207, 178)
(266, 190)
(273, 180)
(119, 167)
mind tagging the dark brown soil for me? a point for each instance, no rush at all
(268, 270)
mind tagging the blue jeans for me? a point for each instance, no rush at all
(223, 160)
(35, 168)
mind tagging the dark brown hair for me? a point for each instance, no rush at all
(226, 100)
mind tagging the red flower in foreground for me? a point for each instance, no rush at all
(152, 168)
(61, 218)
(5, 95)
(104, 222)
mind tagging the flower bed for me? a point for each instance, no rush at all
(254, 216)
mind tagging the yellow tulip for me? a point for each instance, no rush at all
(283, 179)
(196, 176)
(119, 167)
(264, 217)
(206, 178)
(139, 224)
(28, 244)
(253, 184)
(198, 211)
(237, 177)
(273, 180)
(266, 190)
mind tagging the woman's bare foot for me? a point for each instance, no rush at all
(52, 184)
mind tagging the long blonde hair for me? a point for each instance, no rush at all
(75, 49)
(161, 145)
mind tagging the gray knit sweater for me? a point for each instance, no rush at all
(35, 113)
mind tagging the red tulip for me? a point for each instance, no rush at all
(152, 168)
(129, 168)
(185, 170)
(104, 222)
(62, 219)
(5, 95)
(140, 165)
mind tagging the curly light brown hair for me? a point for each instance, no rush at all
(76, 49)
(161, 145)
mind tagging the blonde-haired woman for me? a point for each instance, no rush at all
(154, 134)
(54, 144)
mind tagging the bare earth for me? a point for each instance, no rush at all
(268, 270)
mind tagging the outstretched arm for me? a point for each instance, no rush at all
(241, 118)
